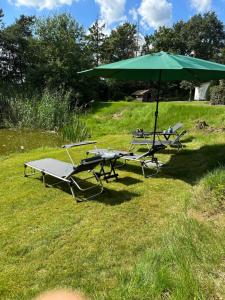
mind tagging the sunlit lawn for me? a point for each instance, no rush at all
(141, 239)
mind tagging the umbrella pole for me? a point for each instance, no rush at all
(157, 110)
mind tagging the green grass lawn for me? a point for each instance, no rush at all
(144, 238)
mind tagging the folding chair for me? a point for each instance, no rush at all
(172, 143)
(146, 163)
(165, 133)
(129, 156)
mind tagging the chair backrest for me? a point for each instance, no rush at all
(88, 164)
(179, 136)
(177, 126)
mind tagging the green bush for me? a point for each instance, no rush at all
(48, 111)
(21, 112)
(75, 130)
(217, 94)
(53, 110)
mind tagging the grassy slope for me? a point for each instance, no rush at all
(124, 117)
(153, 238)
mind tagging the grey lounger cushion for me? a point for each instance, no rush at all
(54, 167)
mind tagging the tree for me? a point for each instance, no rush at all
(121, 44)
(222, 56)
(1, 16)
(62, 53)
(189, 86)
(166, 39)
(95, 40)
(16, 51)
(205, 36)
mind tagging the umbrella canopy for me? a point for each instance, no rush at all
(160, 66)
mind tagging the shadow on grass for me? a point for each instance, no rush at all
(109, 196)
(136, 168)
(128, 180)
(191, 165)
(113, 197)
(169, 150)
(188, 165)
(188, 139)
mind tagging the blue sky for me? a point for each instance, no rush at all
(150, 13)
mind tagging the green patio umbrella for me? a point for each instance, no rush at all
(159, 67)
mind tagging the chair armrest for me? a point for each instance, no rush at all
(78, 144)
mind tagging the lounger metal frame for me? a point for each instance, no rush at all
(147, 163)
(87, 164)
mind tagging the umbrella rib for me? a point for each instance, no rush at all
(177, 62)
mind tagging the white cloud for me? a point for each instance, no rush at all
(112, 10)
(155, 13)
(42, 4)
(201, 5)
(134, 14)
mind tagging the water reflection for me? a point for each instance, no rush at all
(14, 140)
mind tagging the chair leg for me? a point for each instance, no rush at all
(71, 189)
(79, 199)
(131, 147)
(31, 173)
(43, 179)
(145, 166)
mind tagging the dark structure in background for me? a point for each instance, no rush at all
(143, 95)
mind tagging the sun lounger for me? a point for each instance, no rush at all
(65, 172)
(173, 143)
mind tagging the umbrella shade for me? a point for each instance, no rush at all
(160, 66)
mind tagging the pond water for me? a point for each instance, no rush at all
(13, 140)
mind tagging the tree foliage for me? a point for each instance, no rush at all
(46, 54)
(121, 43)
(202, 35)
(17, 52)
(95, 41)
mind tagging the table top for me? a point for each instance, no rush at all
(108, 153)
(145, 133)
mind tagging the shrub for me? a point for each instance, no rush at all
(75, 130)
(217, 94)
(53, 110)
(20, 113)
(48, 111)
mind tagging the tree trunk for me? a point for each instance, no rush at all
(190, 94)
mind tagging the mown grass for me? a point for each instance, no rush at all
(155, 238)
(124, 117)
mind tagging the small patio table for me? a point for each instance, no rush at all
(110, 156)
